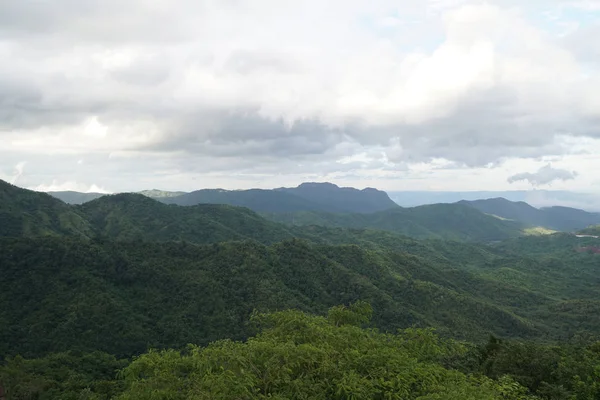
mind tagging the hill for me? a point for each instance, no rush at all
(28, 213)
(71, 197)
(160, 194)
(131, 216)
(591, 230)
(125, 297)
(555, 218)
(255, 199)
(343, 199)
(442, 221)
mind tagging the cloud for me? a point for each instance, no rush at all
(544, 176)
(240, 87)
(56, 186)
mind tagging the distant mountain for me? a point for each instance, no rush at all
(537, 198)
(343, 199)
(555, 218)
(591, 230)
(27, 213)
(159, 194)
(325, 197)
(259, 200)
(442, 221)
(130, 216)
(71, 197)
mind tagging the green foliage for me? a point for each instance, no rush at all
(27, 213)
(63, 376)
(297, 356)
(121, 298)
(569, 372)
(356, 314)
(441, 221)
(551, 218)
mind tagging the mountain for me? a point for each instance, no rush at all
(159, 194)
(71, 197)
(131, 216)
(255, 199)
(537, 198)
(325, 197)
(555, 218)
(345, 199)
(442, 221)
(591, 230)
(68, 294)
(28, 213)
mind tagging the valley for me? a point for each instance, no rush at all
(106, 281)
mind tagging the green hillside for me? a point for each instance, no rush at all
(131, 216)
(121, 298)
(553, 218)
(442, 221)
(28, 213)
(591, 230)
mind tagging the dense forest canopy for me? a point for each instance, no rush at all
(129, 298)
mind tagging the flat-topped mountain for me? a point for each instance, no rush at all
(325, 197)
(344, 199)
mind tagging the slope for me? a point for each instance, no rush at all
(67, 294)
(256, 199)
(442, 221)
(28, 213)
(555, 218)
(137, 217)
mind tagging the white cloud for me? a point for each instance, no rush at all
(544, 176)
(354, 90)
(56, 186)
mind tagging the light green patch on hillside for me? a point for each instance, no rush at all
(537, 231)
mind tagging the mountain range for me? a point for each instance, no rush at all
(125, 273)
(310, 203)
(129, 216)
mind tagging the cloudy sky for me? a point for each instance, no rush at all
(396, 94)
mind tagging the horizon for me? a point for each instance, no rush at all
(435, 96)
(538, 198)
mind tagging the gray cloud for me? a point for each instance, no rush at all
(544, 176)
(237, 86)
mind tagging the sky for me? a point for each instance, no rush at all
(107, 95)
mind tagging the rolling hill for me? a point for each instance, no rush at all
(130, 216)
(442, 221)
(28, 213)
(555, 218)
(306, 197)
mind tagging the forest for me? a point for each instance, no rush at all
(124, 297)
